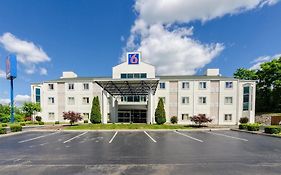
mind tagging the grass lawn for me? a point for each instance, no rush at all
(124, 126)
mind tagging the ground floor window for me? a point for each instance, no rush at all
(86, 116)
(51, 116)
(184, 117)
(228, 117)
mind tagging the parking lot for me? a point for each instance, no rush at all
(140, 152)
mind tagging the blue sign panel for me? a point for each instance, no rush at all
(11, 67)
(133, 58)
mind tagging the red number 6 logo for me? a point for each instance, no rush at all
(134, 59)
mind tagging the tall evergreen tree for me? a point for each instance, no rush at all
(95, 112)
(160, 114)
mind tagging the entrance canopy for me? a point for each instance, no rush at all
(116, 87)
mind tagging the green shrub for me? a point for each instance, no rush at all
(22, 123)
(4, 124)
(3, 130)
(4, 118)
(19, 118)
(15, 128)
(244, 120)
(272, 129)
(86, 121)
(174, 119)
(243, 126)
(41, 123)
(253, 127)
(160, 114)
(57, 122)
(38, 118)
(95, 111)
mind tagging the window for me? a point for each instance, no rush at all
(185, 85)
(135, 75)
(184, 117)
(229, 85)
(133, 98)
(202, 100)
(163, 98)
(71, 86)
(202, 85)
(246, 93)
(86, 86)
(123, 76)
(227, 117)
(51, 86)
(185, 100)
(37, 95)
(228, 100)
(71, 101)
(51, 100)
(162, 85)
(86, 116)
(86, 100)
(51, 116)
(130, 76)
(143, 75)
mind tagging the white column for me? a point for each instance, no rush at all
(104, 107)
(150, 108)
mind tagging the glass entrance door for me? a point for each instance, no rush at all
(124, 116)
(134, 116)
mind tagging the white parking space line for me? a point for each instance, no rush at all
(27, 140)
(185, 135)
(110, 141)
(75, 137)
(214, 133)
(149, 136)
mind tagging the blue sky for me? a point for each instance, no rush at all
(89, 37)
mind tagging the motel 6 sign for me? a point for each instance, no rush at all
(133, 57)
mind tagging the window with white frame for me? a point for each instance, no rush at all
(184, 117)
(86, 116)
(50, 86)
(163, 98)
(51, 100)
(185, 85)
(86, 86)
(70, 86)
(228, 100)
(202, 100)
(202, 85)
(229, 85)
(86, 100)
(51, 115)
(162, 85)
(71, 101)
(228, 117)
(185, 100)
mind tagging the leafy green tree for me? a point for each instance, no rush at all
(95, 111)
(246, 74)
(30, 108)
(160, 114)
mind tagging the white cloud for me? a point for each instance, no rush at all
(4, 101)
(27, 52)
(2, 74)
(257, 62)
(160, 34)
(19, 99)
(43, 71)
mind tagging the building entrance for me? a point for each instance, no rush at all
(134, 116)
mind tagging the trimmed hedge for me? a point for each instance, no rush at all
(86, 121)
(174, 119)
(272, 129)
(15, 128)
(243, 126)
(22, 123)
(3, 130)
(41, 123)
(4, 124)
(57, 122)
(244, 120)
(253, 127)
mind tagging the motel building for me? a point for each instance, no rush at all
(132, 93)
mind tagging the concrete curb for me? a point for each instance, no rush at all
(257, 133)
(13, 133)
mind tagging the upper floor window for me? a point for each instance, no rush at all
(185, 100)
(70, 86)
(51, 86)
(133, 75)
(202, 85)
(162, 85)
(185, 85)
(86, 86)
(37, 95)
(51, 100)
(246, 98)
(202, 100)
(228, 100)
(71, 100)
(86, 100)
(229, 85)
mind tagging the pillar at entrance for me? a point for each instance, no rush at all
(104, 107)
(115, 111)
(150, 108)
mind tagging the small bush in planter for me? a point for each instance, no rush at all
(244, 120)
(38, 118)
(4, 124)
(253, 127)
(22, 123)
(272, 129)
(86, 121)
(243, 126)
(174, 119)
(15, 128)
(3, 131)
(57, 122)
(41, 123)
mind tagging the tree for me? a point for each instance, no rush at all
(95, 111)
(30, 108)
(72, 117)
(160, 114)
(245, 74)
(200, 118)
